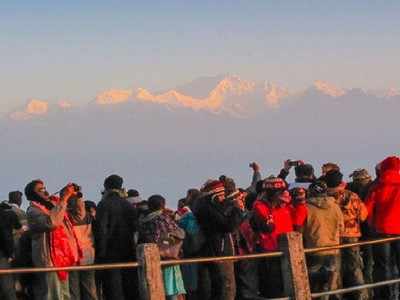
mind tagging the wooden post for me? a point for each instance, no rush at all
(294, 269)
(151, 283)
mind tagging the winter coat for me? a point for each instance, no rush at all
(42, 224)
(8, 222)
(217, 221)
(324, 224)
(299, 214)
(82, 225)
(383, 201)
(116, 221)
(353, 209)
(281, 219)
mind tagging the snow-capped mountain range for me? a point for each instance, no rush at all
(220, 94)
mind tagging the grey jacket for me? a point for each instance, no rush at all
(40, 225)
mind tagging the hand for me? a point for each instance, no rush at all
(255, 166)
(68, 191)
(286, 165)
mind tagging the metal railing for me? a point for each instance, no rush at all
(171, 262)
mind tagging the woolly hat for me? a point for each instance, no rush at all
(274, 183)
(333, 178)
(113, 182)
(214, 187)
(360, 174)
(318, 188)
(330, 167)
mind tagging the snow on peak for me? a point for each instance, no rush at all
(113, 96)
(274, 93)
(328, 88)
(231, 85)
(33, 108)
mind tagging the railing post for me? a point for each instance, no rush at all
(151, 283)
(294, 268)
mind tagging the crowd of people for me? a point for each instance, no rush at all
(216, 219)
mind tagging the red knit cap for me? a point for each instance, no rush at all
(274, 183)
(214, 187)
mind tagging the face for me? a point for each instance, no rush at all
(282, 197)
(40, 189)
(220, 197)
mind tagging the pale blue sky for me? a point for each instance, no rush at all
(72, 50)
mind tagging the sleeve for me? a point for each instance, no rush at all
(370, 203)
(101, 230)
(363, 212)
(256, 178)
(16, 224)
(283, 174)
(40, 222)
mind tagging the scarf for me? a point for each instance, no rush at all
(61, 253)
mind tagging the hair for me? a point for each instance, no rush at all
(133, 193)
(304, 171)
(333, 179)
(156, 202)
(181, 202)
(31, 195)
(15, 197)
(90, 204)
(113, 182)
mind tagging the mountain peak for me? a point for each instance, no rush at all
(274, 93)
(34, 107)
(113, 96)
(328, 88)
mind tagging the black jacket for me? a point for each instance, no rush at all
(8, 222)
(114, 228)
(217, 221)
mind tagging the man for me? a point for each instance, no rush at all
(304, 174)
(361, 185)
(15, 201)
(383, 204)
(54, 242)
(218, 219)
(8, 222)
(354, 213)
(115, 224)
(323, 228)
(271, 218)
(133, 197)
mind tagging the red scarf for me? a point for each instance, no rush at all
(61, 253)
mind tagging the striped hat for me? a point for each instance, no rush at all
(274, 183)
(214, 187)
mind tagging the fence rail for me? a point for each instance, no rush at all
(292, 257)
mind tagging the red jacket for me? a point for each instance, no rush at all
(299, 214)
(282, 219)
(383, 201)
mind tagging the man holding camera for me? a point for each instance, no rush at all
(54, 243)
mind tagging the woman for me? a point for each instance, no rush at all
(159, 227)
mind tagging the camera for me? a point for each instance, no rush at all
(294, 163)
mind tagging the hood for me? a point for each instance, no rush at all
(320, 202)
(390, 170)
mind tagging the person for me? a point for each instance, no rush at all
(82, 284)
(361, 184)
(159, 227)
(8, 223)
(272, 217)
(191, 245)
(354, 213)
(218, 219)
(246, 271)
(133, 197)
(329, 166)
(116, 221)
(54, 243)
(383, 204)
(322, 228)
(91, 208)
(304, 174)
(299, 208)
